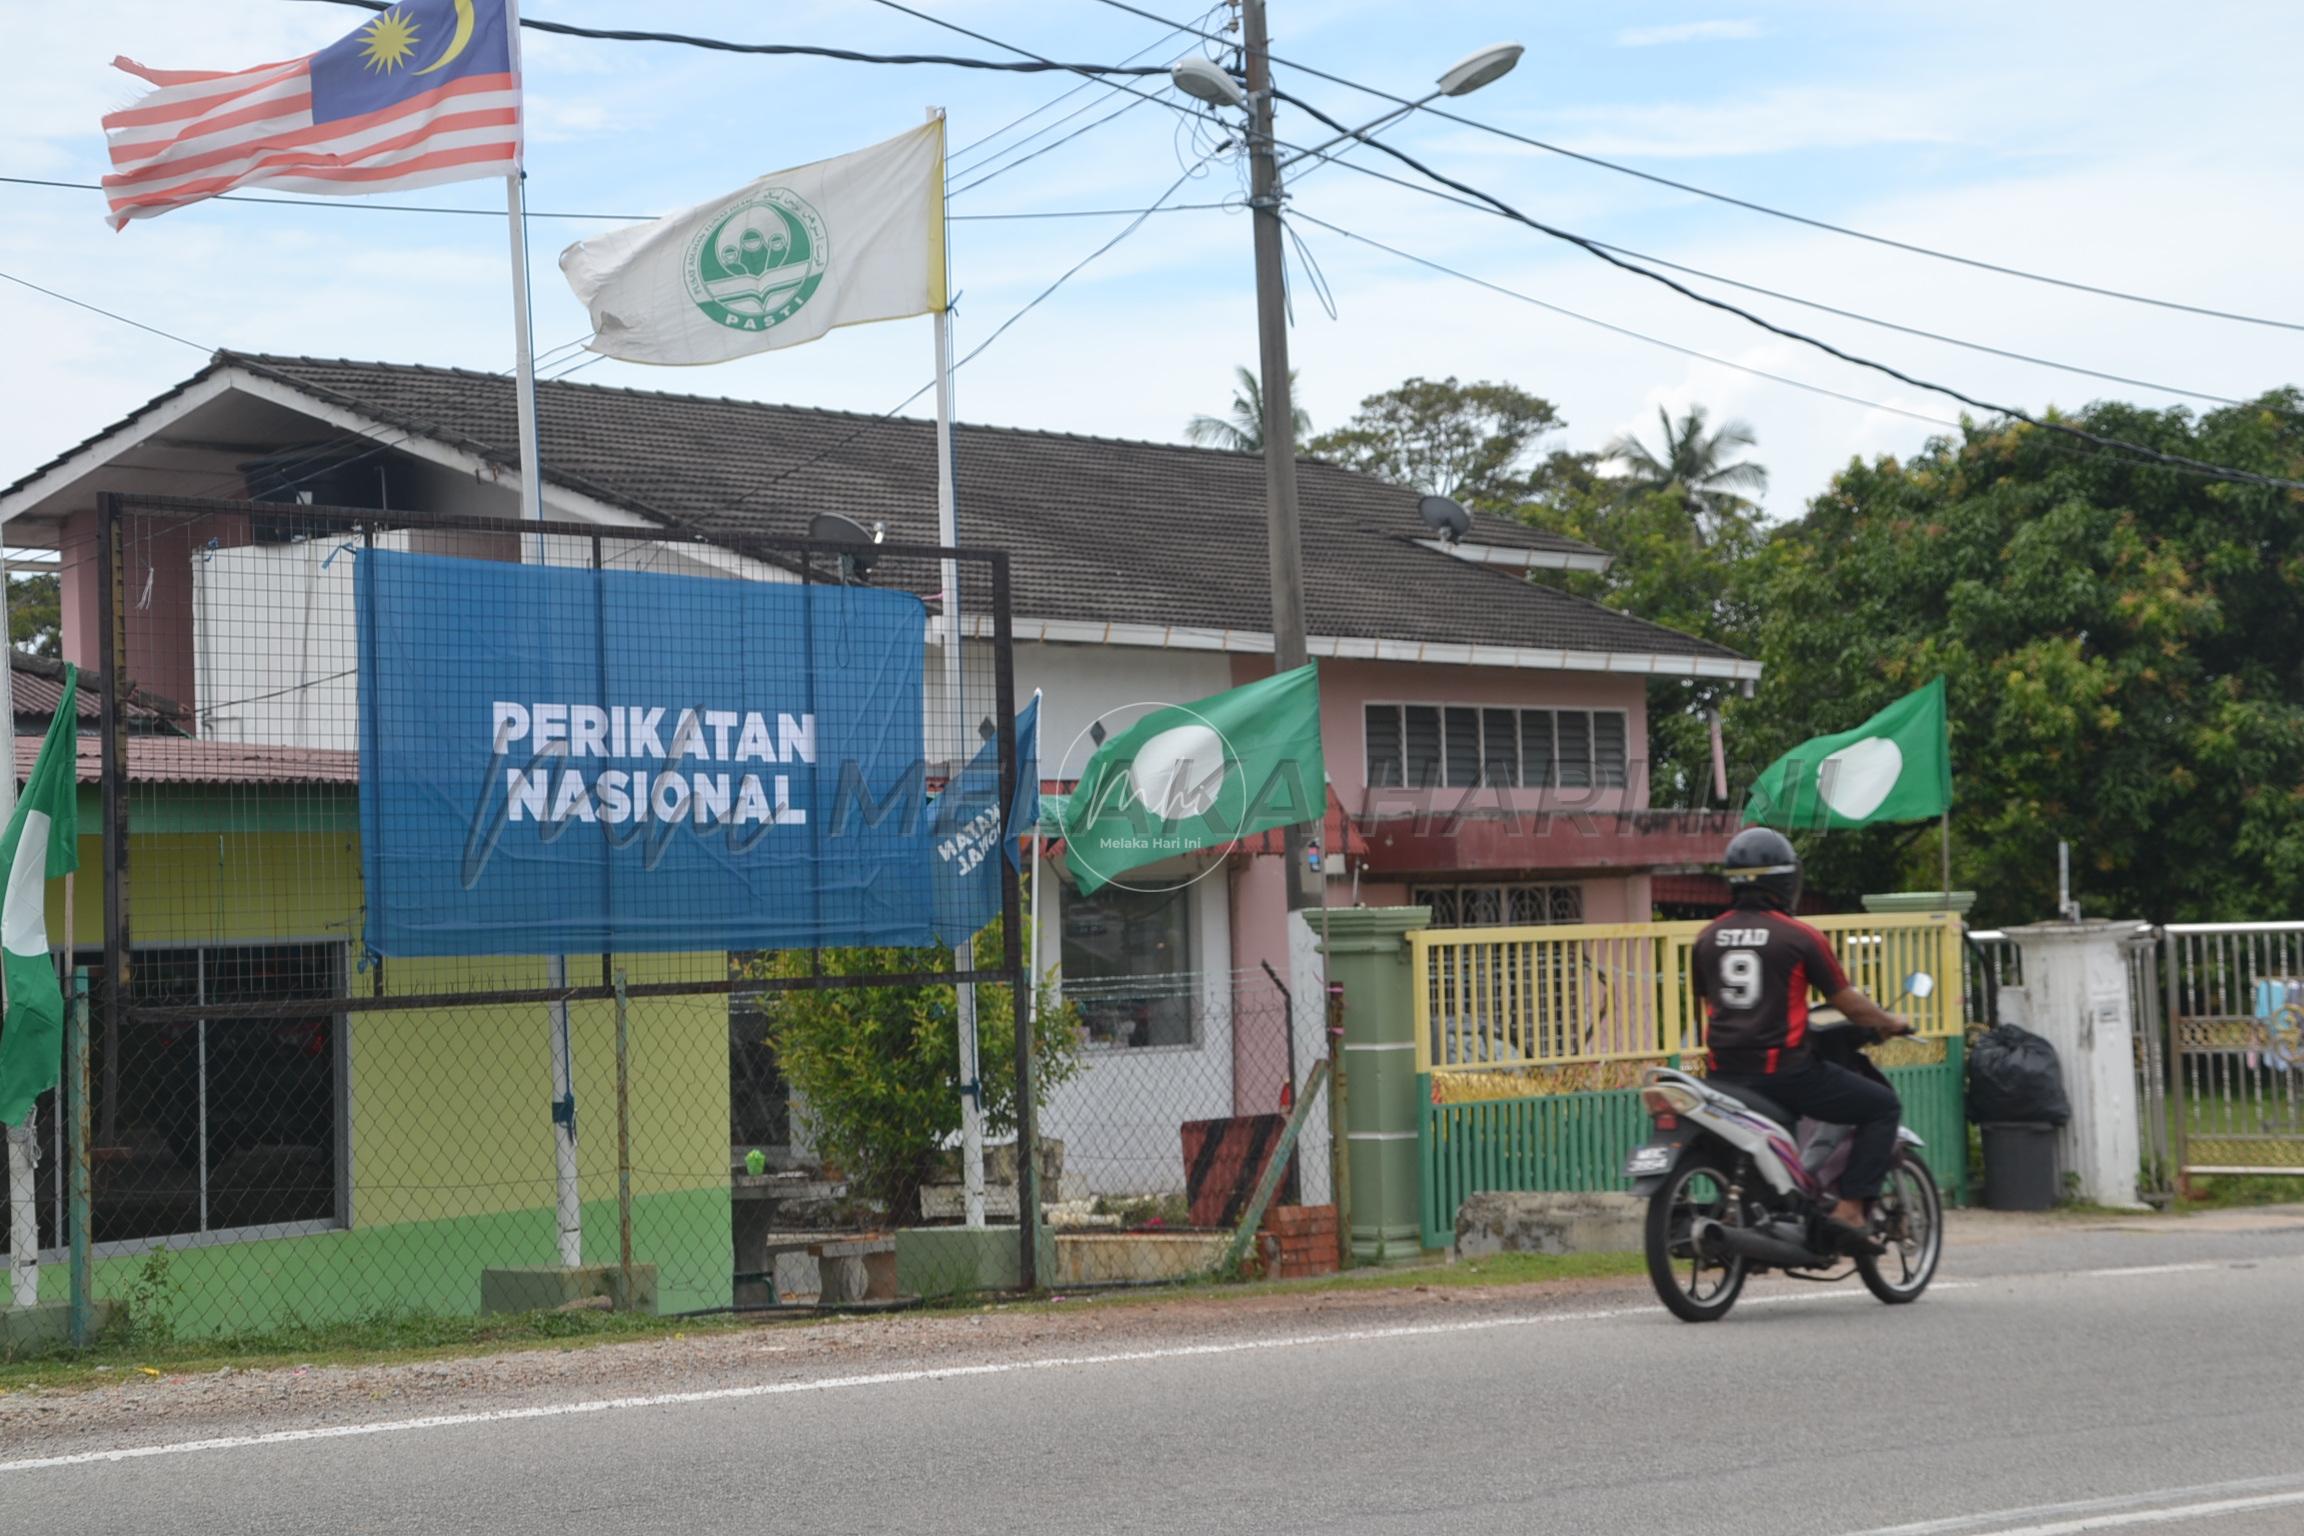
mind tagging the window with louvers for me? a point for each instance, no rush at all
(1575, 760)
(1423, 743)
(1459, 746)
(1385, 767)
(1463, 748)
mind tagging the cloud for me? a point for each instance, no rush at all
(1687, 32)
(1772, 122)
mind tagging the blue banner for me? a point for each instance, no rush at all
(571, 761)
(969, 833)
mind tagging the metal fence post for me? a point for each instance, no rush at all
(76, 1131)
(623, 1142)
(2180, 1150)
(1024, 988)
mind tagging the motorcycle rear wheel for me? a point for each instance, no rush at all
(1695, 1289)
(1912, 1223)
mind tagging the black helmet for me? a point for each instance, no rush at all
(1763, 861)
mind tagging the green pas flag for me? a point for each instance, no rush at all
(1199, 775)
(1896, 766)
(42, 841)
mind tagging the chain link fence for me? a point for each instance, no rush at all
(287, 1128)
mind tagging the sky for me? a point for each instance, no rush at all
(2117, 144)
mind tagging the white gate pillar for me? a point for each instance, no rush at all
(2076, 993)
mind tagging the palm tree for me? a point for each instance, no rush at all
(1693, 462)
(1242, 429)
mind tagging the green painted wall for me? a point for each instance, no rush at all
(424, 1268)
(451, 1146)
(1578, 1141)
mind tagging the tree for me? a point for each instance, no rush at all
(1469, 441)
(878, 1068)
(1660, 570)
(1694, 463)
(1242, 428)
(2122, 646)
(35, 615)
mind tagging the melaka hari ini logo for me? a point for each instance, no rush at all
(755, 266)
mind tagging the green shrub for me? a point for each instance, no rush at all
(879, 1067)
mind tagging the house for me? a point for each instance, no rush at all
(1485, 736)
(303, 1161)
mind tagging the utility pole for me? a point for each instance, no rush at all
(1280, 520)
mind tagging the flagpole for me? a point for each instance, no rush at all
(567, 1199)
(23, 1181)
(963, 955)
(1944, 830)
(1032, 962)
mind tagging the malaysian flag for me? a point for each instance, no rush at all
(425, 92)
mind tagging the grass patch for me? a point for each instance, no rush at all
(383, 1339)
(2224, 1192)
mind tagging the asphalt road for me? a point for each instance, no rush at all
(2055, 1382)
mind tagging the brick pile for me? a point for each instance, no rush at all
(1300, 1241)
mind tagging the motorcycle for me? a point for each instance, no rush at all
(1735, 1188)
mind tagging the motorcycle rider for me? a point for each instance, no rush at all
(1755, 964)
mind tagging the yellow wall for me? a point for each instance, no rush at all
(450, 1106)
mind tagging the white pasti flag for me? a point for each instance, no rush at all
(840, 242)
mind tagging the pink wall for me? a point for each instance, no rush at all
(1347, 687)
(156, 554)
(1259, 934)
(1259, 909)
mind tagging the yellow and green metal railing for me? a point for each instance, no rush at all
(1530, 1043)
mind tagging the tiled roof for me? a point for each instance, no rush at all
(176, 760)
(1098, 530)
(37, 687)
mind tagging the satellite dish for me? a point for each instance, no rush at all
(1444, 517)
(832, 528)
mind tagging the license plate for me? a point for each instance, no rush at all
(1648, 1160)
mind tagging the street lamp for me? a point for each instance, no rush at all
(1467, 75)
(1205, 80)
(1475, 70)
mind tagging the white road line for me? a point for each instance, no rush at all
(882, 1379)
(2151, 1269)
(2208, 1500)
(950, 1373)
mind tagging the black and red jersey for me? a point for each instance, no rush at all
(1756, 967)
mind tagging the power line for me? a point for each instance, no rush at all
(1138, 223)
(1042, 59)
(1057, 100)
(752, 497)
(355, 205)
(802, 50)
(106, 313)
(1042, 131)
(1621, 330)
(1336, 158)
(1673, 346)
(1913, 330)
(2239, 476)
(1120, 112)
(1738, 202)
(352, 204)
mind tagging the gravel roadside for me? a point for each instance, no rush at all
(142, 1408)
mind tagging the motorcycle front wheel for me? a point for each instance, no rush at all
(1695, 1288)
(1912, 1225)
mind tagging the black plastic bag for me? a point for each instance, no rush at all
(2013, 1074)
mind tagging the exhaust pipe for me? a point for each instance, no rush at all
(1759, 1247)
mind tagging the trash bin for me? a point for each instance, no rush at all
(2019, 1165)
